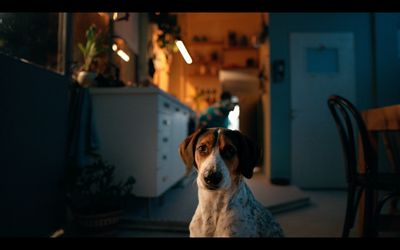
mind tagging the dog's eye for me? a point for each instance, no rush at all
(202, 149)
(228, 152)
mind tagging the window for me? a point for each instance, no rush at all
(117, 62)
(322, 60)
(33, 37)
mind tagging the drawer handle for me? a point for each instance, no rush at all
(164, 157)
(177, 109)
(165, 122)
(165, 139)
(166, 105)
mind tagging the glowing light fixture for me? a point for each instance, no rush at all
(114, 47)
(183, 51)
(115, 15)
(123, 55)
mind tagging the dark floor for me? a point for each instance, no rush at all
(323, 217)
(301, 213)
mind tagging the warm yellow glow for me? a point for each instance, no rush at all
(114, 47)
(123, 55)
(115, 15)
(184, 52)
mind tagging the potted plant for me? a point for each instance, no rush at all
(96, 200)
(90, 50)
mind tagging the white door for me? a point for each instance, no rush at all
(321, 64)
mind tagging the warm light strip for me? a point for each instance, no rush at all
(123, 55)
(183, 51)
(115, 15)
(114, 47)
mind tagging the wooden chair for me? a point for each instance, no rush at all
(354, 137)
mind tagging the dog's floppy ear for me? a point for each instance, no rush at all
(187, 149)
(249, 154)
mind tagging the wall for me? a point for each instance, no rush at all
(144, 37)
(33, 111)
(281, 24)
(81, 22)
(127, 31)
(387, 58)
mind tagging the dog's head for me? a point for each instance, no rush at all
(220, 156)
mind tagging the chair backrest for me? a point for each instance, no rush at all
(351, 126)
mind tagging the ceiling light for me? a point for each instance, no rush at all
(123, 55)
(183, 51)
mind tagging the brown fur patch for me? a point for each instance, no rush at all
(226, 146)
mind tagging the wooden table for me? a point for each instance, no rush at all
(380, 121)
(384, 118)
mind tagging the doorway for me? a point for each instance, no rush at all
(321, 64)
(230, 51)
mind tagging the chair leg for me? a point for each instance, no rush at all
(393, 205)
(355, 208)
(348, 221)
(377, 213)
(368, 230)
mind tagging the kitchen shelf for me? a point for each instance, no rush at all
(207, 75)
(208, 43)
(239, 67)
(238, 48)
(194, 63)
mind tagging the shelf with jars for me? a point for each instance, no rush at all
(239, 48)
(206, 43)
(204, 68)
(208, 63)
(211, 56)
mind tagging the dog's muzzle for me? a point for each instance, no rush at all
(212, 179)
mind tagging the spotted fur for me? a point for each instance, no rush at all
(227, 208)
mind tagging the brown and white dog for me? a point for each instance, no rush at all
(227, 207)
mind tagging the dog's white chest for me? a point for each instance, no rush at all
(224, 223)
(237, 216)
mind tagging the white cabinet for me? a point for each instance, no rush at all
(140, 130)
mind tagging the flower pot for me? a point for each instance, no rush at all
(98, 222)
(86, 78)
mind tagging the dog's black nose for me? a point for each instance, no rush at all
(213, 178)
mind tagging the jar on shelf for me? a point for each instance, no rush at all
(203, 69)
(214, 70)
